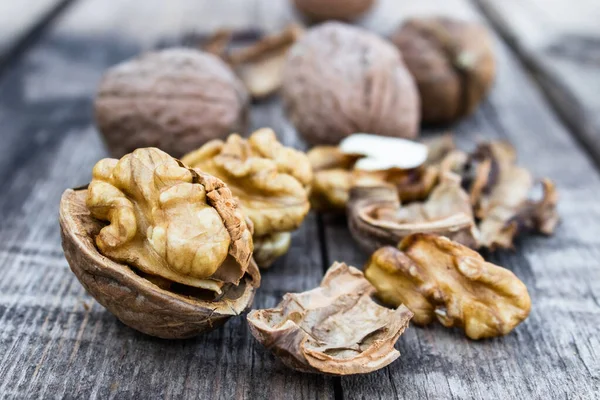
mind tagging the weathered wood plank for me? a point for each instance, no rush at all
(18, 19)
(55, 340)
(555, 353)
(559, 40)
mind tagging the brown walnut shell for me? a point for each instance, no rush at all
(135, 300)
(344, 10)
(340, 79)
(175, 99)
(452, 62)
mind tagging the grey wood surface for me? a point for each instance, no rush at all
(559, 40)
(57, 342)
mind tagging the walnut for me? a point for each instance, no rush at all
(452, 62)
(344, 10)
(340, 79)
(260, 66)
(440, 279)
(175, 99)
(270, 181)
(377, 218)
(148, 231)
(334, 329)
(337, 169)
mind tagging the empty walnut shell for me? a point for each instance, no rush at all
(345, 10)
(135, 300)
(175, 99)
(452, 62)
(340, 79)
(334, 329)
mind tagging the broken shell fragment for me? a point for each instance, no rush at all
(440, 279)
(260, 66)
(161, 246)
(376, 218)
(270, 181)
(334, 329)
(382, 153)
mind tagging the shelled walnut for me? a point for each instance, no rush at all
(452, 62)
(334, 329)
(336, 171)
(340, 79)
(270, 181)
(174, 99)
(161, 246)
(376, 217)
(344, 10)
(440, 279)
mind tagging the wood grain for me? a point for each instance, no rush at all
(559, 41)
(57, 342)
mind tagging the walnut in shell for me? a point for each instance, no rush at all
(334, 329)
(440, 279)
(175, 99)
(344, 10)
(452, 62)
(270, 181)
(377, 218)
(340, 79)
(161, 246)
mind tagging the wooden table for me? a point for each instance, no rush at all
(57, 342)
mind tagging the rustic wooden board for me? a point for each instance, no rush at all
(559, 40)
(55, 341)
(19, 20)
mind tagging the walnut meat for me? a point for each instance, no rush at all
(340, 79)
(452, 62)
(440, 279)
(160, 230)
(334, 329)
(270, 181)
(175, 99)
(345, 10)
(377, 218)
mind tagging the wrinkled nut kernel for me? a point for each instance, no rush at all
(440, 279)
(340, 79)
(334, 329)
(161, 246)
(344, 10)
(452, 62)
(270, 181)
(376, 217)
(260, 66)
(174, 99)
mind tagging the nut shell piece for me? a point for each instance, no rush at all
(376, 218)
(334, 329)
(452, 62)
(135, 300)
(174, 99)
(440, 279)
(340, 79)
(344, 10)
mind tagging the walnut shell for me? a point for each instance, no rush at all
(175, 99)
(344, 10)
(340, 79)
(452, 62)
(135, 300)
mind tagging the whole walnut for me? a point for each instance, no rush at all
(452, 62)
(345, 10)
(340, 80)
(175, 99)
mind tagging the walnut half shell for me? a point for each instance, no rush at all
(334, 329)
(175, 256)
(440, 279)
